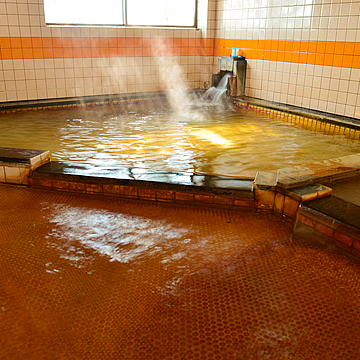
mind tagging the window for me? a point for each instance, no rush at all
(121, 12)
(161, 12)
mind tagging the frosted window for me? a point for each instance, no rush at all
(94, 12)
(110, 12)
(161, 12)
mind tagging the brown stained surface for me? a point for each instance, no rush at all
(348, 190)
(84, 277)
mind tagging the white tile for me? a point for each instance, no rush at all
(351, 99)
(334, 84)
(2, 174)
(351, 35)
(340, 109)
(349, 110)
(342, 97)
(12, 175)
(24, 175)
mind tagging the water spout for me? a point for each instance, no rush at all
(217, 95)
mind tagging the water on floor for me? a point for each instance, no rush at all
(96, 278)
(200, 139)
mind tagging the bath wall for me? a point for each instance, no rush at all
(42, 62)
(300, 52)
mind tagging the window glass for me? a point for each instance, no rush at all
(110, 12)
(90, 12)
(161, 12)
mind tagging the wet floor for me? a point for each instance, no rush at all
(86, 277)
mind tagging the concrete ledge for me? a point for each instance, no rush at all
(325, 171)
(16, 164)
(308, 192)
(338, 209)
(172, 187)
(343, 235)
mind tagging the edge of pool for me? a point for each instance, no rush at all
(300, 194)
(299, 111)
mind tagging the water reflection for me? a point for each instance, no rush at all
(198, 139)
(119, 237)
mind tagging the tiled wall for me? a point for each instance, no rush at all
(41, 62)
(300, 52)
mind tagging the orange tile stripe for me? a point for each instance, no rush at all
(40, 48)
(328, 53)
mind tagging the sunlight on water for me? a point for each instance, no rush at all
(211, 137)
(201, 139)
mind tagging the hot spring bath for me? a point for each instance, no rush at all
(149, 135)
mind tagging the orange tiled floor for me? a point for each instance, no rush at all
(93, 278)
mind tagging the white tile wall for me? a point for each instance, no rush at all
(30, 79)
(324, 88)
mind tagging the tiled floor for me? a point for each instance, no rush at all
(84, 277)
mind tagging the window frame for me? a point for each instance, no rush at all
(125, 21)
